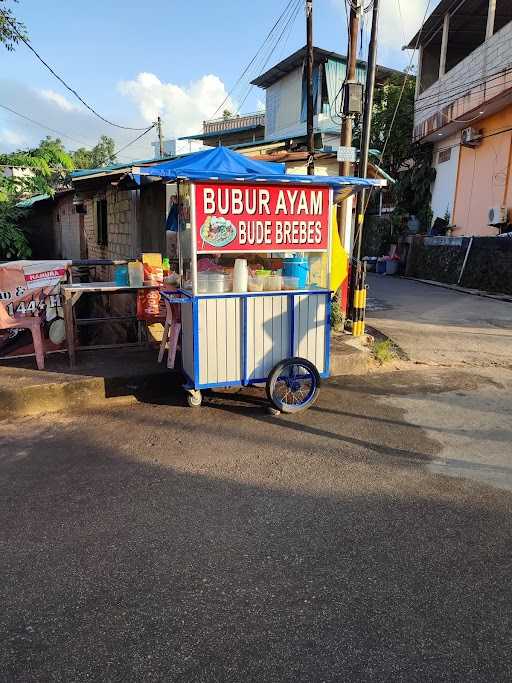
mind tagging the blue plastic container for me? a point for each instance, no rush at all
(297, 266)
(381, 267)
(121, 276)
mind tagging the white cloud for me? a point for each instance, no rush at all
(61, 101)
(12, 138)
(75, 126)
(182, 109)
(144, 97)
(396, 29)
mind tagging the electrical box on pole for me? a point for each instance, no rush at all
(353, 98)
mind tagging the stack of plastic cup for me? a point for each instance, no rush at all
(240, 275)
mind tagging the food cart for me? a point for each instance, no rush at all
(254, 254)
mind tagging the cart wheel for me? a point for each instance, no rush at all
(194, 399)
(293, 385)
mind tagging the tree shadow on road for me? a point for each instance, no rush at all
(120, 568)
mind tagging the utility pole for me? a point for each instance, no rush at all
(309, 77)
(160, 136)
(348, 119)
(347, 122)
(367, 122)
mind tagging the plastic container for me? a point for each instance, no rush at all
(290, 282)
(392, 267)
(380, 268)
(202, 282)
(218, 283)
(121, 276)
(240, 275)
(136, 273)
(297, 266)
(272, 283)
(263, 273)
(255, 284)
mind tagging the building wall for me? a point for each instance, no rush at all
(283, 103)
(66, 223)
(443, 189)
(123, 229)
(446, 99)
(484, 176)
(323, 167)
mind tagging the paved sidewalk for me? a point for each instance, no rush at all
(439, 326)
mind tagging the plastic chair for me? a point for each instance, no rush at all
(172, 328)
(32, 323)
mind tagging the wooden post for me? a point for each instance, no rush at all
(70, 327)
(491, 14)
(444, 45)
(309, 78)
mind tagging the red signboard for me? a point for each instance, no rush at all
(234, 217)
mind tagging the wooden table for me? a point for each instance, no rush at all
(73, 292)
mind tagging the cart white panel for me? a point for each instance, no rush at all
(268, 334)
(310, 313)
(220, 332)
(187, 336)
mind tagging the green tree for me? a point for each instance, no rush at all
(10, 28)
(408, 162)
(102, 154)
(49, 164)
(390, 133)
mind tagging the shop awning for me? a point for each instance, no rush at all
(221, 163)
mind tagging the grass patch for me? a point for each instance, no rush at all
(384, 351)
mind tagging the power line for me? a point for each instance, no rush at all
(447, 95)
(135, 140)
(407, 74)
(42, 125)
(267, 38)
(395, 113)
(288, 25)
(56, 75)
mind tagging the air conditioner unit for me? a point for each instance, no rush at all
(470, 137)
(498, 215)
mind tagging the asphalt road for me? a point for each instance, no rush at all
(153, 542)
(438, 326)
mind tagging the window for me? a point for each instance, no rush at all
(430, 60)
(503, 14)
(467, 31)
(444, 155)
(101, 222)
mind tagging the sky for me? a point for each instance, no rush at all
(132, 61)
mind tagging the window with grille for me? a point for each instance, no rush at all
(444, 155)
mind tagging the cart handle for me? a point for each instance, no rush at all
(176, 299)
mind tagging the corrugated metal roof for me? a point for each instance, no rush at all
(432, 23)
(79, 173)
(28, 203)
(221, 133)
(297, 58)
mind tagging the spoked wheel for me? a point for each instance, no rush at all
(293, 385)
(194, 398)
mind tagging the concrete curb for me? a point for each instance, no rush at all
(26, 392)
(81, 393)
(463, 290)
(349, 356)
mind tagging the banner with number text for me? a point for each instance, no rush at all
(32, 288)
(257, 217)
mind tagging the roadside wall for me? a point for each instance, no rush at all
(488, 268)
